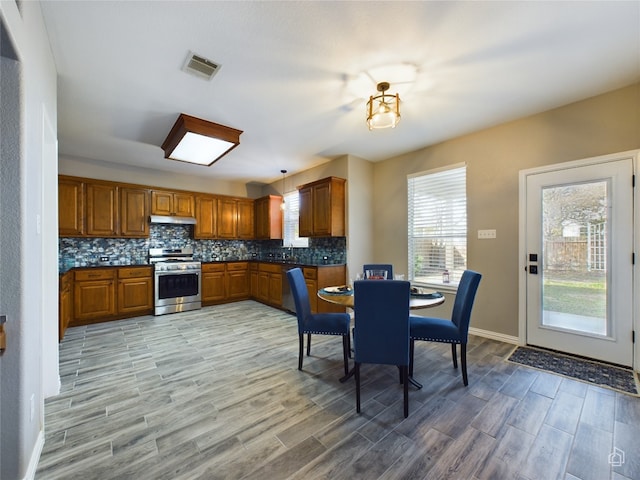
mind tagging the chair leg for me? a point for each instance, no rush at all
(300, 356)
(463, 361)
(411, 347)
(454, 354)
(357, 375)
(349, 344)
(345, 353)
(405, 380)
(308, 344)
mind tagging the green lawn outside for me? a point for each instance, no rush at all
(566, 295)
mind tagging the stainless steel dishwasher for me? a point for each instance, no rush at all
(288, 303)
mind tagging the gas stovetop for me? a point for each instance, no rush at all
(173, 259)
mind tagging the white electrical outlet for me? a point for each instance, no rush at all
(485, 234)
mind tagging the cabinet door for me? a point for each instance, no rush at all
(94, 300)
(268, 218)
(305, 220)
(227, 218)
(66, 306)
(263, 286)
(102, 210)
(161, 202)
(312, 290)
(134, 212)
(206, 214)
(135, 295)
(245, 219)
(213, 286)
(322, 209)
(183, 204)
(237, 284)
(253, 280)
(70, 208)
(275, 289)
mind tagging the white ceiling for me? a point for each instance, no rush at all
(295, 76)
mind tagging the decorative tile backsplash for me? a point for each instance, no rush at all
(85, 252)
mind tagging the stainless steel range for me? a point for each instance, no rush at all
(177, 280)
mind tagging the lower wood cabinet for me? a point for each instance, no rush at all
(94, 295)
(135, 290)
(212, 283)
(65, 309)
(270, 284)
(317, 277)
(102, 294)
(237, 277)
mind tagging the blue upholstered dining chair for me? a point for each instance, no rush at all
(381, 333)
(454, 331)
(316, 323)
(378, 266)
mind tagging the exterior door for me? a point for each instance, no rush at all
(579, 254)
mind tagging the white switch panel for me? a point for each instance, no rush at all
(484, 234)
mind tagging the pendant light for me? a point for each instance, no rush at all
(383, 111)
(282, 206)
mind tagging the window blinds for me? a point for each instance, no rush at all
(437, 203)
(290, 227)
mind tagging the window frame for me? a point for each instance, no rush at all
(452, 243)
(290, 222)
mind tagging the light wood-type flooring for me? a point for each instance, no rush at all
(216, 394)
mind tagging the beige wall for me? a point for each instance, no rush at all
(601, 125)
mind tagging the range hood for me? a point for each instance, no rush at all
(172, 219)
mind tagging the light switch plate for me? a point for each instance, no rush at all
(485, 234)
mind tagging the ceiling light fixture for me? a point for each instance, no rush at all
(383, 111)
(282, 205)
(198, 141)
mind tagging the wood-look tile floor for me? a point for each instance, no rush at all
(216, 394)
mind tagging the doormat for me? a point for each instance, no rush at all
(601, 374)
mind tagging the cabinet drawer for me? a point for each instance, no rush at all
(212, 267)
(310, 273)
(270, 267)
(234, 266)
(134, 272)
(95, 274)
(253, 266)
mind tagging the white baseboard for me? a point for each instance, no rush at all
(35, 457)
(500, 337)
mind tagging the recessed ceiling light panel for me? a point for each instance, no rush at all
(200, 67)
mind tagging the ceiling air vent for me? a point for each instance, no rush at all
(200, 66)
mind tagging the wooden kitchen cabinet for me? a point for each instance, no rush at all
(134, 212)
(268, 218)
(322, 208)
(65, 308)
(206, 217)
(179, 204)
(94, 295)
(270, 284)
(227, 218)
(321, 276)
(238, 287)
(102, 210)
(213, 283)
(135, 291)
(245, 219)
(70, 207)
(253, 279)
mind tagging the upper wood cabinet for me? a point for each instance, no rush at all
(172, 203)
(70, 207)
(102, 210)
(134, 212)
(206, 217)
(246, 227)
(235, 218)
(268, 218)
(322, 208)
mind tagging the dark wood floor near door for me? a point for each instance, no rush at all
(216, 394)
